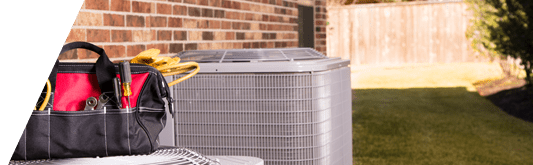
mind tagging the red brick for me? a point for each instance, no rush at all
(225, 3)
(87, 54)
(214, 24)
(245, 26)
(89, 19)
(194, 11)
(262, 27)
(207, 36)
(95, 35)
(255, 45)
(273, 19)
(113, 20)
(153, 8)
(121, 36)
(236, 25)
(179, 1)
(207, 12)
(69, 55)
(180, 35)
(148, 20)
(158, 21)
(175, 22)
(164, 35)
(76, 35)
(215, 3)
(115, 51)
(249, 16)
(236, 5)
(163, 48)
(220, 14)
(203, 24)
(230, 15)
(189, 1)
(202, 2)
(164, 8)
(237, 45)
(277, 10)
(246, 45)
(190, 23)
(191, 46)
(230, 35)
(120, 5)
(141, 7)
(226, 25)
(175, 48)
(97, 4)
(135, 21)
(241, 16)
(240, 36)
(154, 35)
(270, 45)
(245, 6)
(179, 10)
(134, 50)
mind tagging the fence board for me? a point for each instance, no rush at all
(400, 33)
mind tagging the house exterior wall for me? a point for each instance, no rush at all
(320, 25)
(124, 28)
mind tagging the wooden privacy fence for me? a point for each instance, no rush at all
(400, 33)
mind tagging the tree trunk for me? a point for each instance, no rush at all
(527, 67)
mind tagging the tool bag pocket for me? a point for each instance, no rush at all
(65, 130)
(67, 134)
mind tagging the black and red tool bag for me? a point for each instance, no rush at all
(65, 130)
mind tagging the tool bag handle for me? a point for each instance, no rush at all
(105, 69)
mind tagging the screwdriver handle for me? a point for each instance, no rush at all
(125, 77)
(125, 72)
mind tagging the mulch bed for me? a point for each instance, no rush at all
(511, 95)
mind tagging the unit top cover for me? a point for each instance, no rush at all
(261, 60)
(250, 55)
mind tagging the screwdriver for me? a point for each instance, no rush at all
(116, 87)
(125, 76)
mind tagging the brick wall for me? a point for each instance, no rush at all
(320, 25)
(126, 27)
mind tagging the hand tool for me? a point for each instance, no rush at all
(118, 95)
(90, 103)
(125, 76)
(47, 97)
(102, 100)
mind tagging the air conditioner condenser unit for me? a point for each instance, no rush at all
(285, 106)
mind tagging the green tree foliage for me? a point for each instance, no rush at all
(502, 28)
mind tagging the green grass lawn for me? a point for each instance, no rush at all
(436, 126)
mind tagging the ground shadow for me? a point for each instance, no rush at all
(517, 102)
